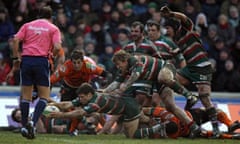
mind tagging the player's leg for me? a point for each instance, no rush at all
(41, 76)
(223, 118)
(26, 98)
(130, 127)
(26, 93)
(168, 100)
(167, 76)
(204, 91)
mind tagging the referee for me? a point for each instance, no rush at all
(39, 38)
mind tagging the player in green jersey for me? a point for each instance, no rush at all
(198, 70)
(89, 101)
(149, 68)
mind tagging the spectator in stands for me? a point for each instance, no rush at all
(87, 14)
(6, 27)
(79, 41)
(123, 38)
(5, 68)
(106, 58)
(210, 38)
(229, 79)
(128, 15)
(224, 55)
(140, 7)
(118, 6)
(192, 9)
(149, 14)
(99, 37)
(82, 27)
(219, 45)
(226, 30)
(226, 5)
(212, 10)
(156, 16)
(234, 16)
(70, 35)
(112, 25)
(235, 53)
(105, 12)
(62, 22)
(33, 11)
(89, 49)
(201, 24)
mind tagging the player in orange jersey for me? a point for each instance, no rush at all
(74, 72)
(174, 128)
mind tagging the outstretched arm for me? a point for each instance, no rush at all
(166, 12)
(113, 86)
(72, 114)
(63, 106)
(184, 20)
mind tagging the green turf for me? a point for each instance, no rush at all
(16, 138)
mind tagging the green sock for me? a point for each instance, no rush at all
(144, 132)
(178, 88)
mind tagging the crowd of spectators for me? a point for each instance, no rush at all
(100, 27)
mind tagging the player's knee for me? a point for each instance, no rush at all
(167, 92)
(204, 96)
(165, 75)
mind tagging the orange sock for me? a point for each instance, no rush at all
(74, 124)
(223, 118)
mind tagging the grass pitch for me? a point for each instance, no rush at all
(7, 137)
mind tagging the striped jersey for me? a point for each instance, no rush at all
(190, 44)
(108, 104)
(146, 47)
(165, 46)
(148, 67)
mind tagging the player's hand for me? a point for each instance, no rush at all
(9, 75)
(165, 11)
(16, 63)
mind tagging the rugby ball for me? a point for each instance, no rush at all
(50, 108)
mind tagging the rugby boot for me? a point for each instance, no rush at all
(195, 131)
(191, 101)
(234, 126)
(24, 132)
(31, 130)
(236, 136)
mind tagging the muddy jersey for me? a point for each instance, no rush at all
(190, 45)
(104, 103)
(74, 78)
